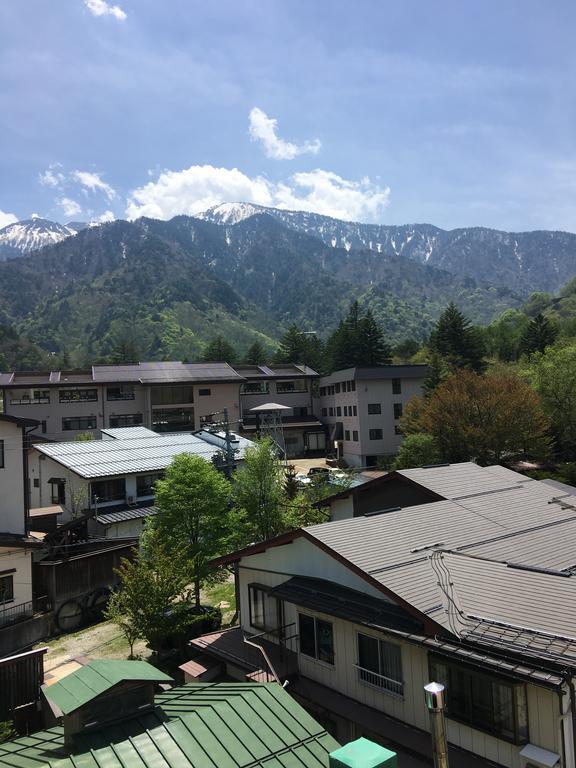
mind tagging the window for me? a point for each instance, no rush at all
(396, 386)
(204, 392)
(291, 441)
(78, 395)
(108, 490)
(316, 638)
(490, 704)
(331, 411)
(337, 388)
(374, 408)
(173, 420)
(78, 422)
(265, 612)
(355, 409)
(380, 664)
(30, 397)
(338, 411)
(397, 410)
(347, 386)
(2, 465)
(44, 427)
(324, 411)
(375, 434)
(322, 391)
(300, 385)
(124, 392)
(303, 411)
(58, 490)
(6, 589)
(355, 435)
(397, 429)
(126, 420)
(347, 435)
(172, 395)
(255, 388)
(145, 484)
(353, 385)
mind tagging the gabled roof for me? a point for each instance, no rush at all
(125, 514)
(228, 725)
(19, 420)
(95, 678)
(453, 481)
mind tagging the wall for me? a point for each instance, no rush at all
(289, 399)
(21, 559)
(125, 529)
(543, 706)
(12, 499)
(221, 396)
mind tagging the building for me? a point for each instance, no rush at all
(476, 590)
(113, 713)
(163, 396)
(362, 408)
(117, 472)
(16, 546)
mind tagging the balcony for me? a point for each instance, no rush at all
(15, 613)
(380, 681)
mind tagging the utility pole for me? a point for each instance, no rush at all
(434, 693)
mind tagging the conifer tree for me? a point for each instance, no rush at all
(256, 354)
(219, 350)
(456, 341)
(539, 334)
(373, 349)
(357, 341)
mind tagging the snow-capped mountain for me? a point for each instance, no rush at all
(29, 235)
(521, 261)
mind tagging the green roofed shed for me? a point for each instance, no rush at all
(97, 677)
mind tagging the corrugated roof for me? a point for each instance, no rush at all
(215, 725)
(122, 515)
(105, 458)
(126, 433)
(98, 676)
(467, 478)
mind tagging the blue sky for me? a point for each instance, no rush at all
(452, 112)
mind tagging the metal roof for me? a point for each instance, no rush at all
(105, 458)
(122, 515)
(453, 481)
(570, 489)
(214, 725)
(126, 433)
(95, 678)
(376, 373)
(286, 371)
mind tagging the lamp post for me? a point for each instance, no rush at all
(434, 694)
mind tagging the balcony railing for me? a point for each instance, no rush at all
(14, 613)
(380, 681)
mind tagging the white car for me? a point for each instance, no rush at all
(302, 479)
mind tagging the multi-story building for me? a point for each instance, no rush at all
(295, 388)
(362, 408)
(474, 590)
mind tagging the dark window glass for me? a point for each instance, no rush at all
(355, 435)
(29, 396)
(316, 638)
(127, 420)
(325, 641)
(79, 422)
(108, 490)
(331, 411)
(173, 420)
(347, 435)
(374, 408)
(337, 386)
(145, 484)
(396, 386)
(324, 411)
(353, 386)
(397, 410)
(303, 411)
(172, 395)
(339, 411)
(6, 589)
(355, 409)
(397, 429)
(204, 392)
(380, 663)
(255, 388)
(78, 395)
(2, 454)
(124, 392)
(58, 493)
(44, 427)
(299, 385)
(375, 434)
(307, 635)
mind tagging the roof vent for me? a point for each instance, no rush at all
(363, 753)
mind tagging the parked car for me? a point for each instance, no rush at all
(303, 479)
(319, 472)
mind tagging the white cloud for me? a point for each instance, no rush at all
(195, 189)
(265, 130)
(104, 217)
(7, 218)
(69, 206)
(93, 182)
(102, 8)
(52, 177)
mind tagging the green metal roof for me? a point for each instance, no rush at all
(95, 678)
(199, 725)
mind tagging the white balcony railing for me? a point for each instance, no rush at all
(380, 681)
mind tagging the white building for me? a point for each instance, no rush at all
(476, 591)
(362, 408)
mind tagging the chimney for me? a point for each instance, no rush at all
(363, 753)
(434, 693)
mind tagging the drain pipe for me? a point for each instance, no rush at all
(434, 694)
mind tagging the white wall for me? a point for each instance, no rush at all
(12, 494)
(21, 559)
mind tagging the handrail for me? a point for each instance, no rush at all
(266, 659)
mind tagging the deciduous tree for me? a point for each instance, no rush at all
(554, 377)
(417, 450)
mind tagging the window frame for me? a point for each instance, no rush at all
(125, 392)
(374, 409)
(317, 657)
(123, 417)
(9, 578)
(2, 455)
(91, 423)
(204, 392)
(354, 435)
(120, 496)
(78, 395)
(398, 410)
(396, 686)
(278, 609)
(396, 386)
(375, 434)
(292, 386)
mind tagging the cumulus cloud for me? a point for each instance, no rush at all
(195, 189)
(102, 8)
(264, 129)
(70, 207)
(52, 177)
(7, 218)
(93, 182)
(106, 216)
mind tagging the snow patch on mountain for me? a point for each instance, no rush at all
(23, 237)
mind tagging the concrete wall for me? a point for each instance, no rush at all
(289, 399)
(12, 496)
(543, 706)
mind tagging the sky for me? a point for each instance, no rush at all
(451, 112)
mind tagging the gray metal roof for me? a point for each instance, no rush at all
(285, 371)
(560, 486)
(376, 373)
(104, 458)
(126, 433)
(465, 479)
(123, 515)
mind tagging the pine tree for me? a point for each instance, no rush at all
(298, 346)
(372, 348)
(256, 355)
(357, 341)
(456, 341)
(539, 334)
(219, 351)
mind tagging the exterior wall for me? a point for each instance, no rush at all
(21, 560)
(12, 497)
(221, 396)
(342, 509)
(289, 399)
(126, 529)
(357, 453)
(384, 495)
(543, 704)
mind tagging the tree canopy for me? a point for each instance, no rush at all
(553, 375)
(456, 341)
(539, 334)
(219, 350)
(357, 341)
(417, 450)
